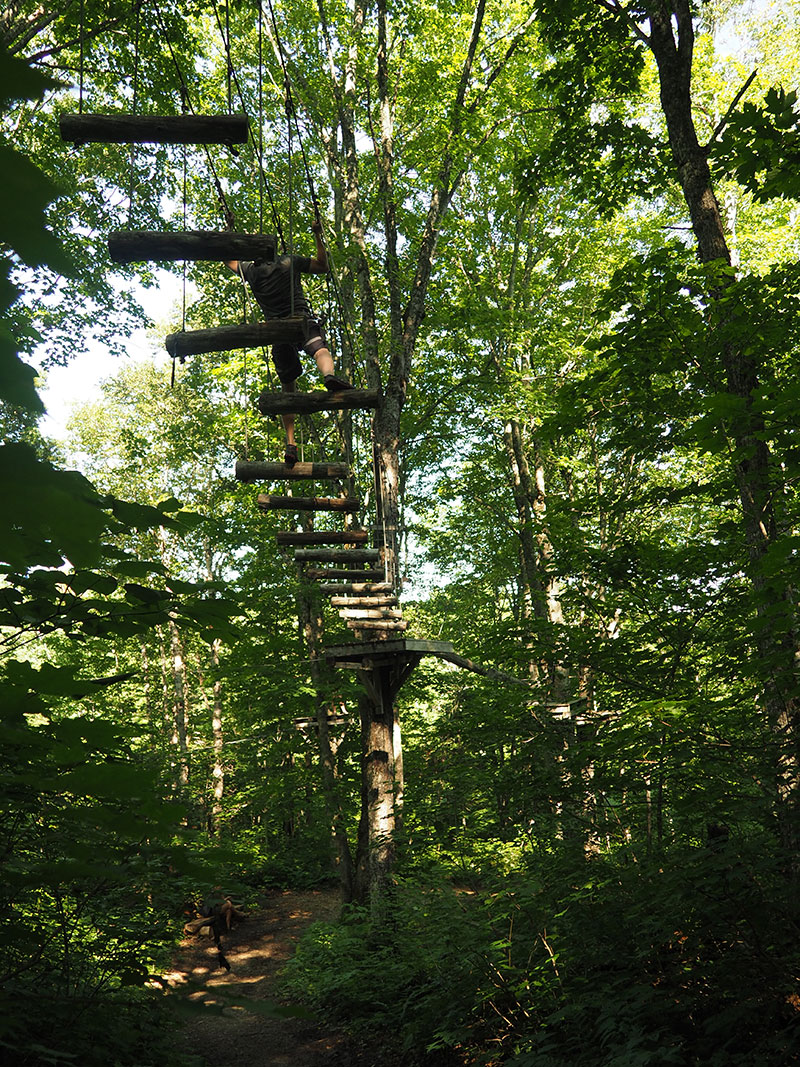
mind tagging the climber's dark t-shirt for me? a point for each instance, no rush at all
(272, 284)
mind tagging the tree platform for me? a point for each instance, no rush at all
(366, 653)
(154, 129)
(134, 246)
(318, 400)
(258, 471)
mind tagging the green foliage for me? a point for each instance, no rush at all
(586, 964)
(760, 146)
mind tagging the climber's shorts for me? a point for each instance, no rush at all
(286, 357)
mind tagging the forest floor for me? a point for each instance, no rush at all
(257, 950)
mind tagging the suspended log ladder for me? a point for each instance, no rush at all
(366, 601)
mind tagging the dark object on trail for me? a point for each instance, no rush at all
(717, 835)
(217, 918)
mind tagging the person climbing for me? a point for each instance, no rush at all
(279, 293)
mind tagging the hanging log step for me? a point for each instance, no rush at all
(244, 335)
(133, 246)
(376, 601)
(324, 537)
(370, 613)
(307, 503)
(321, 573)
(252, 471)
(360, 588)
(337, 555)
(377, 624)
(154, 129)
(319, 400)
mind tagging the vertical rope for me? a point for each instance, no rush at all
(135, 105)
(260, 118)
(185, 157)
(228, 53)
(291, 198)
(80, 61)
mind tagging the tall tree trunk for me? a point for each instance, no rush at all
(321, 677)
(179, 709)
(218, 741)
(672, 43)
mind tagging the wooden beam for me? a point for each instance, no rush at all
(154, 129)
(377, 601)
(318, 400)
(307, 503)
(253, 471)
(337, 555)
(241, 335)
(397, 647)
(134, 246)
(357, 587)
(321, 573)
(323, 537)
(377, 624)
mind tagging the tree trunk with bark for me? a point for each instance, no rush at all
(671, 41)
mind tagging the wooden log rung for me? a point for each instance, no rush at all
(377, 624)
(323, 537)
(253, 471)
(361, 588)
(376, 601)
(337, 555)
(154, 129)
(317, 400)
(134, 246)
(241, 335)
(321, 573)
(370, 613)
(268, 502)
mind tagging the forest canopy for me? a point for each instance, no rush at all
(547, 750)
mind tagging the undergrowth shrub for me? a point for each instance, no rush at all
(691, 960)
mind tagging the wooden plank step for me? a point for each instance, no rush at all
(318, 400)
(307, 503)
(377, 624)
(337, 555)
(133, 246)
(370, 613)
(321, 573)
(154, 129)
(379, 600)
(238, 335)
(253, 471)
(360, 588)
(323, 537)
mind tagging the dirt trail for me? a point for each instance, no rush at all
(256, 950)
